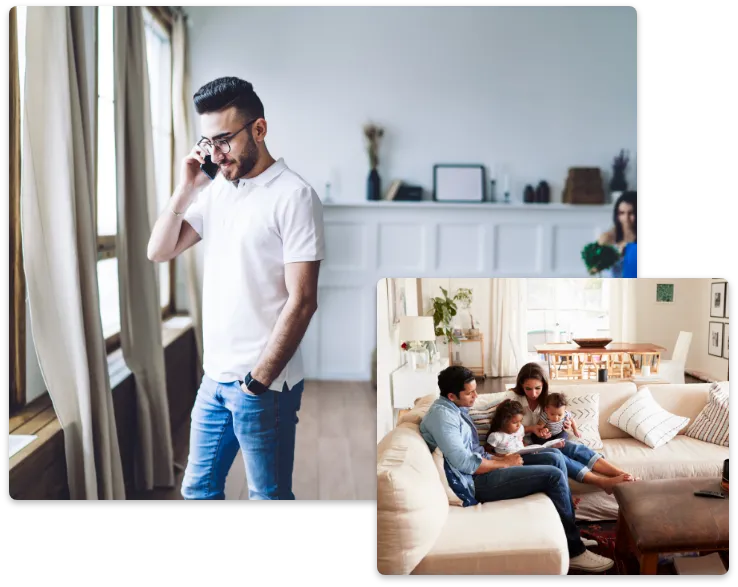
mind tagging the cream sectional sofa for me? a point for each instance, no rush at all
(419, 532)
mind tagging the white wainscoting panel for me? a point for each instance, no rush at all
(367, 241)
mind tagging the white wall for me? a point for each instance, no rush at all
(535, 90)
(661, 323)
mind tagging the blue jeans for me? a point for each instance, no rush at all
(544, 472)
(224, 419)
(579, 459)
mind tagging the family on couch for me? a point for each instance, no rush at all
(476, 474)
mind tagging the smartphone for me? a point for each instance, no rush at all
(209, 168)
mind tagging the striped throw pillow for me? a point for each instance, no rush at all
(484, 408)
(644, 419)
(585, 409)
(712, 423)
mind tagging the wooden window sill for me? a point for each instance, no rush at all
(38, 417)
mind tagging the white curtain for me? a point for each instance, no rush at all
(183, 142)
(507, 344)
(623, 310)
(60, 243)
(140, 312)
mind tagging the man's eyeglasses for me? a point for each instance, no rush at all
(223, 145)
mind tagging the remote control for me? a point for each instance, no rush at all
(708, 493)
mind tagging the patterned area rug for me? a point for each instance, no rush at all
(604, 533)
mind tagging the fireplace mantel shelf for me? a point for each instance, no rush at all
(426, 204)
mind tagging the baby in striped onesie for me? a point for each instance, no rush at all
(556, 418)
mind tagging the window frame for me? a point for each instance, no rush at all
(106, 244)
(17, 275)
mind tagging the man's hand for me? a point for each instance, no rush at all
(512, 460)
(190, 174)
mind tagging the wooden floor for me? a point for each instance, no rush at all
(335, 452)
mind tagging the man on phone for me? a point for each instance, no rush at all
(262, 228)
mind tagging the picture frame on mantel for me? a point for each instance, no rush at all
(717, 299)
(459, 183)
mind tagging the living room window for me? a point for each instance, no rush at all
(159, 58)
(560, 308)
(158, 45)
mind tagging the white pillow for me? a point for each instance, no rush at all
(645, 420)
(453, 499)
(585, 409)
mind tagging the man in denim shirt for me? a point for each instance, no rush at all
(477, 476)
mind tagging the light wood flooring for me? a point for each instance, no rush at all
(335, 451)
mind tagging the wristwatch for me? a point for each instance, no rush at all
(254, 386)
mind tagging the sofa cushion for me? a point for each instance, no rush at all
(612, 396)
(453, 499)
(712, 424)
(585, 409)
(516, 536)
(411, 505)
(484, 408)
(682, 457)
(645, 420)
(685, 400)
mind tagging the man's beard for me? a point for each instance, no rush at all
(245, 163)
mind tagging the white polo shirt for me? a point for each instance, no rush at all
(249, 233)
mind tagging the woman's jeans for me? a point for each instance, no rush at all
(226, 419)
(544, 472)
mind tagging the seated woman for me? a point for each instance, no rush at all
(624, 231)
(582, 463)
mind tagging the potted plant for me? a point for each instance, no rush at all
(373, 135)
(443, 311)
(597, 258)
(618, 183)
(465, 297)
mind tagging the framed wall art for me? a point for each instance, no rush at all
(717, 299)
(715, 342)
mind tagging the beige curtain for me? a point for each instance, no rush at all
(623, 310)
(507, 344)
(183, 141)
(60, 243)
(140, 313)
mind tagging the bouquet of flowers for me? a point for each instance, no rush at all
(599, 257)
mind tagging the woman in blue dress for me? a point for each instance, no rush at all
(623, 233)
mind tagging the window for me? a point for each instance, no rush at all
(159, 58)
(562, 308)
(159, 62)
(107, 203)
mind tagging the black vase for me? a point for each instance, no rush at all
(373, 190)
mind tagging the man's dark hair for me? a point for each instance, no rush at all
(504, 411)
(555, 400)
(223, 92)
(453, 379)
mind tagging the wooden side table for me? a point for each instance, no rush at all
(478, 371)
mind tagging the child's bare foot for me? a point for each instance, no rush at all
(607, 483)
